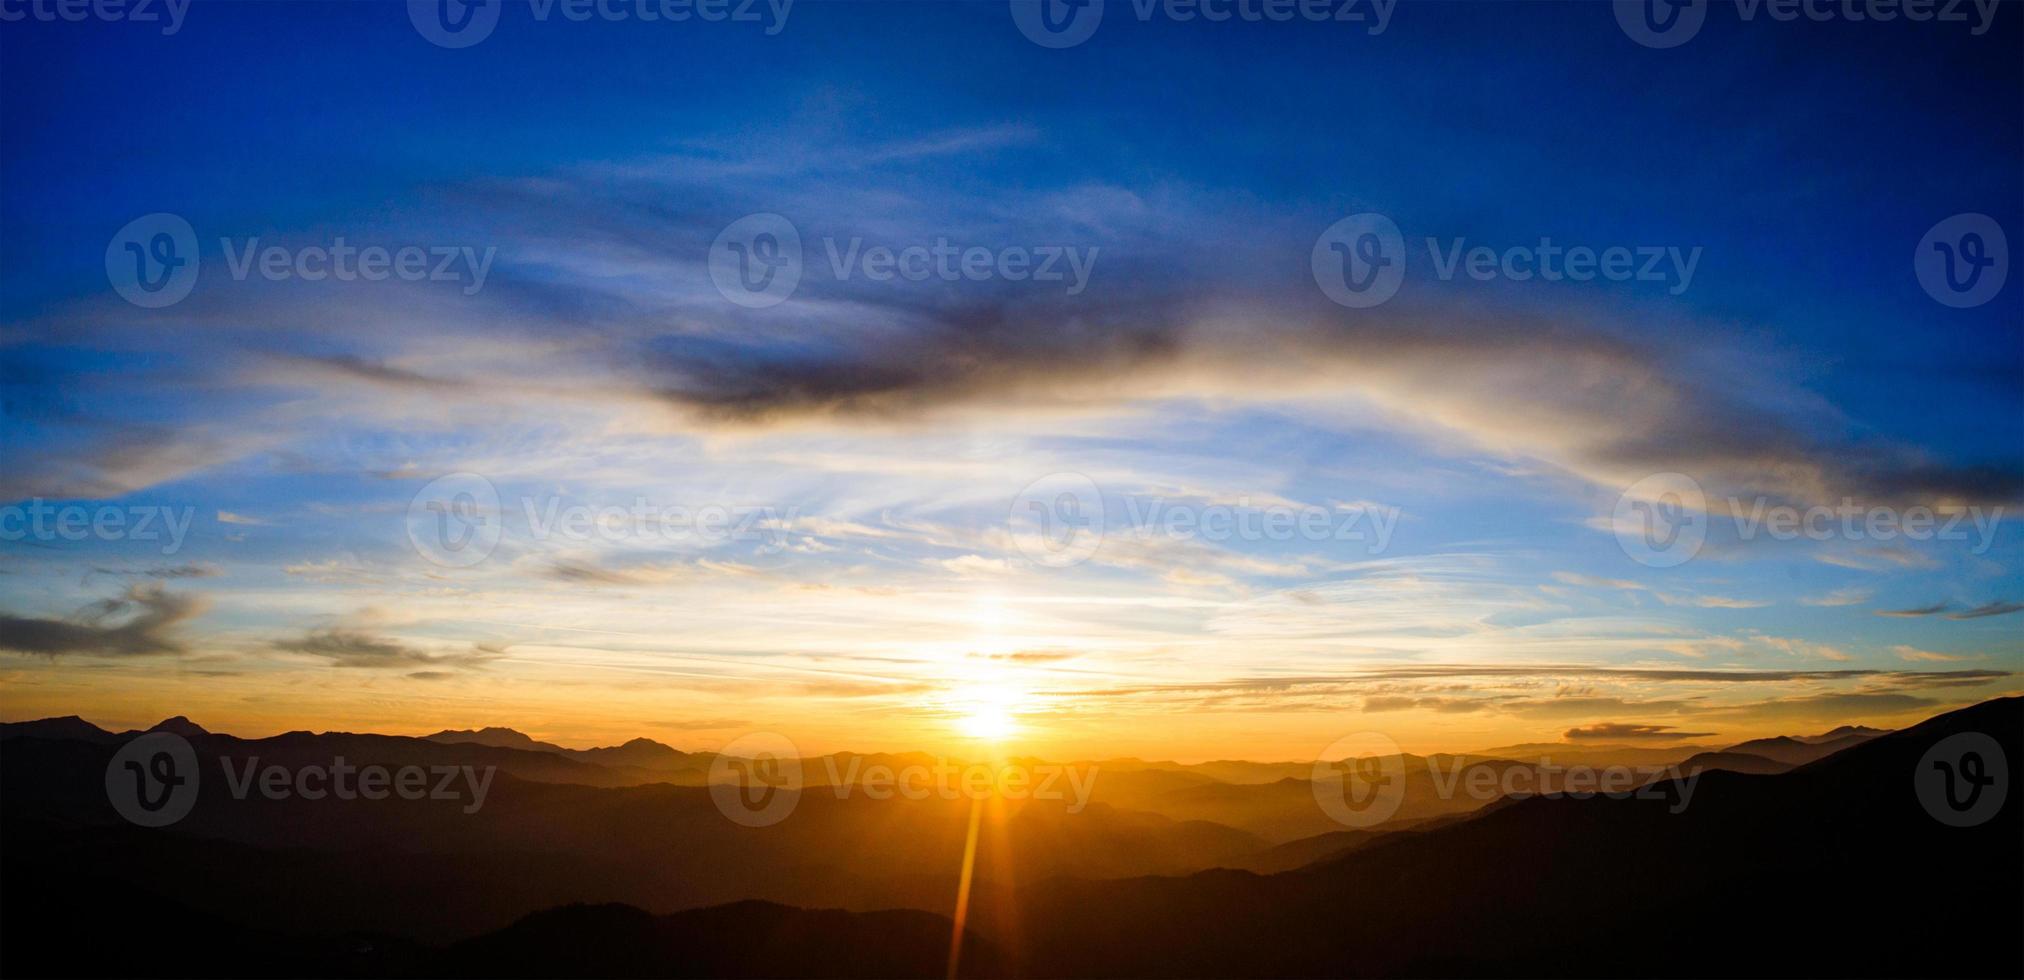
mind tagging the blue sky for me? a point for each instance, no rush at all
(876, 437)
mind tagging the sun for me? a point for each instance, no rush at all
(989, 722)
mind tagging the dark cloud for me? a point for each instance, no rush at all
(138, 623)
(1988, 609)
(1621, 731)
(353, 648)
(194, 569)
(1932, 610)
(586, 574)
(1998, 608)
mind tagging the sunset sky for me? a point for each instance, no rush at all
(872, 439)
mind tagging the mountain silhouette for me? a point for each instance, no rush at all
(1559, 885)
(1736, 762)
(744, 939)
(180, 725)
(1800, 751)
(649, 879)
(639, 753)
(67, 727)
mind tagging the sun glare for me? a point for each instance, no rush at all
(987, 721)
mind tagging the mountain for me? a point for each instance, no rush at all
(639, 754)
(1559, 885)
(1735, 762)
(180, 725)
(745, 939)
(1589, 885)
(504, 738)
(1286, 810)
(571, 832)
(1843, 732)
(1800, 751)
(1573, 754)
(643, 753)
(66, 727)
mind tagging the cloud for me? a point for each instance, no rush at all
(1877, 559)
(1029, 656)
(195, 569)
(1932, 610)
(1998, 608)
(1914, 653)
(229, 517)
(138, 623)
(611, 289)
(704, 724)
(1838, 597)
(1988, 609)
(1447, 706)
(1623, 731)
(345, 647)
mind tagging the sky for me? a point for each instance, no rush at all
(881, 376)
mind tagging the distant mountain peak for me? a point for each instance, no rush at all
(495, 736)
(179, 725)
